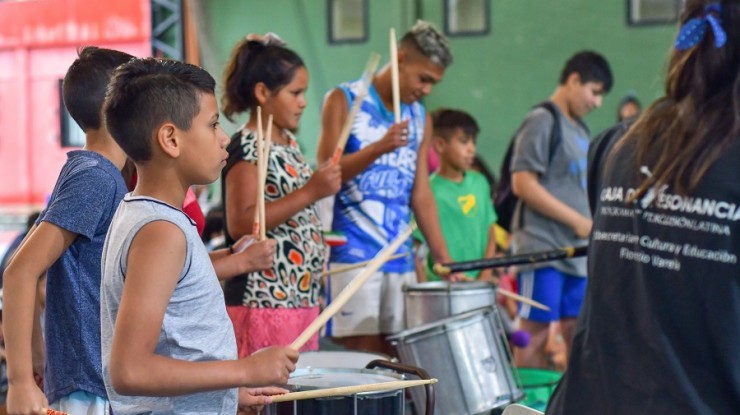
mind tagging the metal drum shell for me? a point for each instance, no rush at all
(432, 301)
(468, 354)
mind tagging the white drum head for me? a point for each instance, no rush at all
(338, 359)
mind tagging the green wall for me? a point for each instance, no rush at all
(496, 77)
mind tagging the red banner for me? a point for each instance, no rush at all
(63, 22)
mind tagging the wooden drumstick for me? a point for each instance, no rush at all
(367, 74)
(348, 291)
(350, 267)
(524, 300)
(351, 390)
(263, 178)
(256, 225)
(394, 78)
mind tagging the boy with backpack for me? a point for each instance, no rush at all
(548, 176)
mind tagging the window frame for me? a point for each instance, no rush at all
(330, 18)
(467, 33)
(631, 21)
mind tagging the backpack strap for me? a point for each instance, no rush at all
(556, 137)
(556, 134)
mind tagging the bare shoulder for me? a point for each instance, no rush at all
(159, 238)
(335, 100)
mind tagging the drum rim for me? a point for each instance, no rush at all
(443, 324)
(446, 286)
(345, 352)
(393, 376)
(328, 370)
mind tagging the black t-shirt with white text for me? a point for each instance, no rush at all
(659, 332)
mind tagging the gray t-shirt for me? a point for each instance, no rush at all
(564, 177)
(195, 326)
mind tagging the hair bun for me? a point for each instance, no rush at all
(268, 39)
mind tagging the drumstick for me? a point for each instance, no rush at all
(348, 291)
(351, 390)
(525, 300)
(367, 74)
(257, 226)
(394, 78)
(350, 267)
(263, 178)
(268, 141)
(562, 253)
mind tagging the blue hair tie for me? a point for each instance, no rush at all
(693, 31)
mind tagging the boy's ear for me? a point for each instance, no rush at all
(168, 140)
(438, 143)
(261, 93)
(574, 79)
(402, 55)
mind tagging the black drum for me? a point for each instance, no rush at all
(390, 402)
(369, 403)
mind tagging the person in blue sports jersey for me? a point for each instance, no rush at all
(384, 178)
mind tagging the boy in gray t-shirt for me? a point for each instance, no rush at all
(553, 206)
(168, 345)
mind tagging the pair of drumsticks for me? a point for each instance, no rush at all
(264, 142)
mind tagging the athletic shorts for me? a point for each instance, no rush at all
(562, 292)
(376, 308)
(82, 403)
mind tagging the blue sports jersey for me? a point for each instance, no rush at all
(373, 207)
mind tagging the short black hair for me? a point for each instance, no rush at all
(591, 67)
(446, 121)
(144, 93)
(84, 85)
(214, 223)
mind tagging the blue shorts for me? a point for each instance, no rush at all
(562, 292)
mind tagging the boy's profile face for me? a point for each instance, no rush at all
(584, 97)
(457, 152)
(204, 146)
(417, 75)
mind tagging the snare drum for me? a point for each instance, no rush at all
(469, 356)
(432, 301)
(368, 403)
(343, 359)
